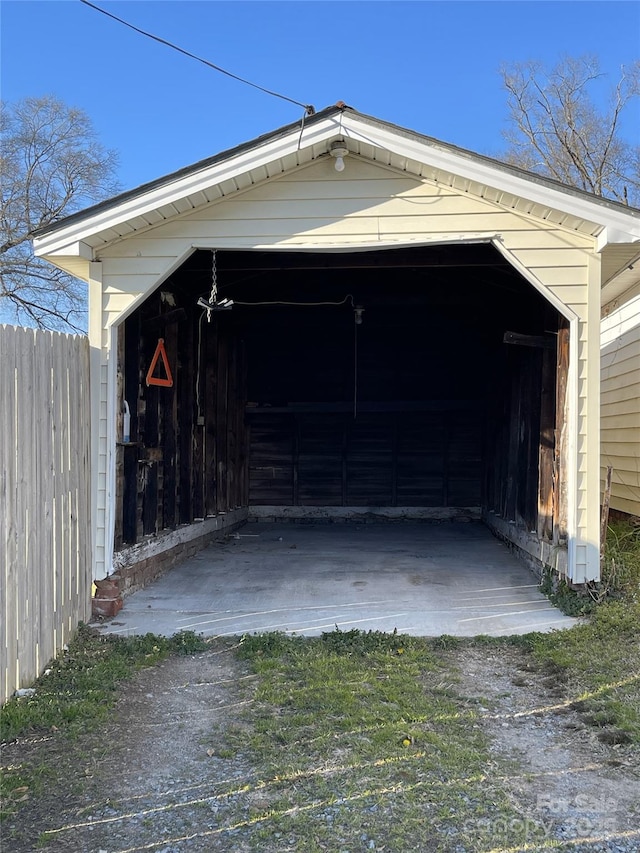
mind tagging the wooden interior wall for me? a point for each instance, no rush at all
(392, 455)
(397, 424)
(513, 438)
(262, 408)
(449, 414)
(187, 458)
(524, 450)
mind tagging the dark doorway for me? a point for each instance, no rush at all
(289, 401)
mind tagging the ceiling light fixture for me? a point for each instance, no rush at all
(339, 150)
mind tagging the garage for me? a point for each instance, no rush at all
(413, 335)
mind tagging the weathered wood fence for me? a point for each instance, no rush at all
(45, 546)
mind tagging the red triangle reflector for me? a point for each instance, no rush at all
(159, 354)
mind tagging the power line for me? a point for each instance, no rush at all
(308, 108)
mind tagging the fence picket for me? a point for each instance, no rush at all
(10, 450)
(45, 550)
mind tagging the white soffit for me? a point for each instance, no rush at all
(139, 211)
(285, 152)
(486, 178)
(625, 282)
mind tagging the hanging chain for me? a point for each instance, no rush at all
(214, 279)
(214, 285)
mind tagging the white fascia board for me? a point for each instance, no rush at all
(74, 250)
(174, 191)
(619, 226)
(611, 236)
(73, 259)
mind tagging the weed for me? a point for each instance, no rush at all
(225, 752)
(573, 602)
(271, 644)
(620, 566)
(620, 575)
(365, 642)
(80, 685)
(595, 665)
(446, 641)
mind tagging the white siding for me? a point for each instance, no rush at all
(370, 206)
(620, 404)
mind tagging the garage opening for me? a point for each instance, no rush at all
(425, 378)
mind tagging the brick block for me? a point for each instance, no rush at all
(106, 607)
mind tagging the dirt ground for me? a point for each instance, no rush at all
(565, 778)
(156, 781)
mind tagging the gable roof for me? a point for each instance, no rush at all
(74, 241)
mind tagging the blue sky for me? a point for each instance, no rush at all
(429, 66)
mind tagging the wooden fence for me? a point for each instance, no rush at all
(45, 546)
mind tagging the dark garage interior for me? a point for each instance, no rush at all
(434, 378)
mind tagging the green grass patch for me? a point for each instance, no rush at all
(76, 694)
(599, 664)
(80, 685)
(359, 740)
(595, 666)
(619, 569)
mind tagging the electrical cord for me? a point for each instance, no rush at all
(308, 108)
(348, 298)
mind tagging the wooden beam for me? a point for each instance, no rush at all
(560, 438)
(222, 382)
(170, 430)
(606, 500)
(546, 446)
(210, 396)
(149, 471)
(295, 452)
(132, 521)
(186, 418)
(538, 341)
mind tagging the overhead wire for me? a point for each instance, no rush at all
(309, 109)
(347, 298)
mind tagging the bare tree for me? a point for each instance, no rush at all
(557, 129)
(52, 165)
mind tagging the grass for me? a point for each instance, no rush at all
(620, 575)
(75, 695)
(362, 743)
(621, 562)
(598, 664)
(359, 739)
(363, 739)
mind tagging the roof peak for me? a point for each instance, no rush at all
(299, 135)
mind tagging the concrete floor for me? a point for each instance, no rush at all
(423, 579)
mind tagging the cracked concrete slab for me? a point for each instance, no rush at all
(424, 579)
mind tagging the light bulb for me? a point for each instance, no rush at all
(339, 151)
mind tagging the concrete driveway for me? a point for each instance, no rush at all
(424, 579)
